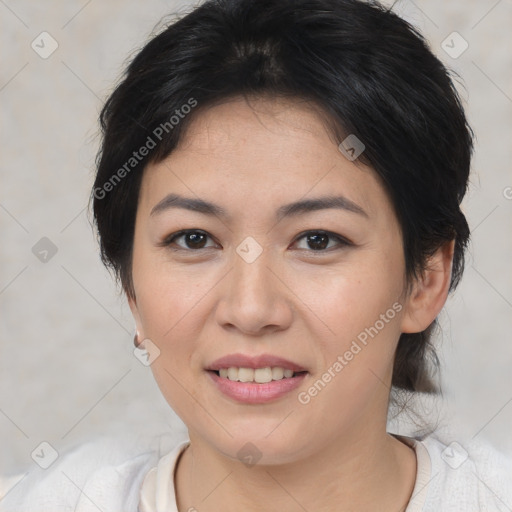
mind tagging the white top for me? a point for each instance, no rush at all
(109, 476)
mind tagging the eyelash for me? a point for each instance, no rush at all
(169, 240)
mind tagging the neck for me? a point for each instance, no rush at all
(361, 471)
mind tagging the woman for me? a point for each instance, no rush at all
(278, 191)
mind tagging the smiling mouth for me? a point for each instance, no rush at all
(258, 375)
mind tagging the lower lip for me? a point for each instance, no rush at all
(253, 393)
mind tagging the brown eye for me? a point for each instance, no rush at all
(193, 239)
(319, 240)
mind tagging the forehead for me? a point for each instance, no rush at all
(257, 153)
(234, 121)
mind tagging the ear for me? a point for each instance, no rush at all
(132, 302)
(430, 291)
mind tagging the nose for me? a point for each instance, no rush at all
(254, 297)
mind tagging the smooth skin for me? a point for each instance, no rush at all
(197, 299)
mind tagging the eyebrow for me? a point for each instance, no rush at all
(287, 210)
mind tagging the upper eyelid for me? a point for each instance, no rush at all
(326, 232)
(178, 234)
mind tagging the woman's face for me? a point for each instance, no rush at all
(249, 280)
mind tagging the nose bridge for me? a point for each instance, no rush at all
(254, 298)
(251, 277)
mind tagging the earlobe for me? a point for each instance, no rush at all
(429, 292)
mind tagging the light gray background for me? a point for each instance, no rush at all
(67, 368)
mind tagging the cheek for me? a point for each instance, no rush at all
(169, 304)
(174, 302)
(362, 316)
(350, 299)
(165, 292)
(361, 310)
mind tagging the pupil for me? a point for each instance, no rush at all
(318, 241)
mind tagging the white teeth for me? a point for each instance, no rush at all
(262, 375)
(245, 374)
(277, 373)
(288, 373)
(259, 375)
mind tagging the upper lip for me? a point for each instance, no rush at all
(260, 361)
